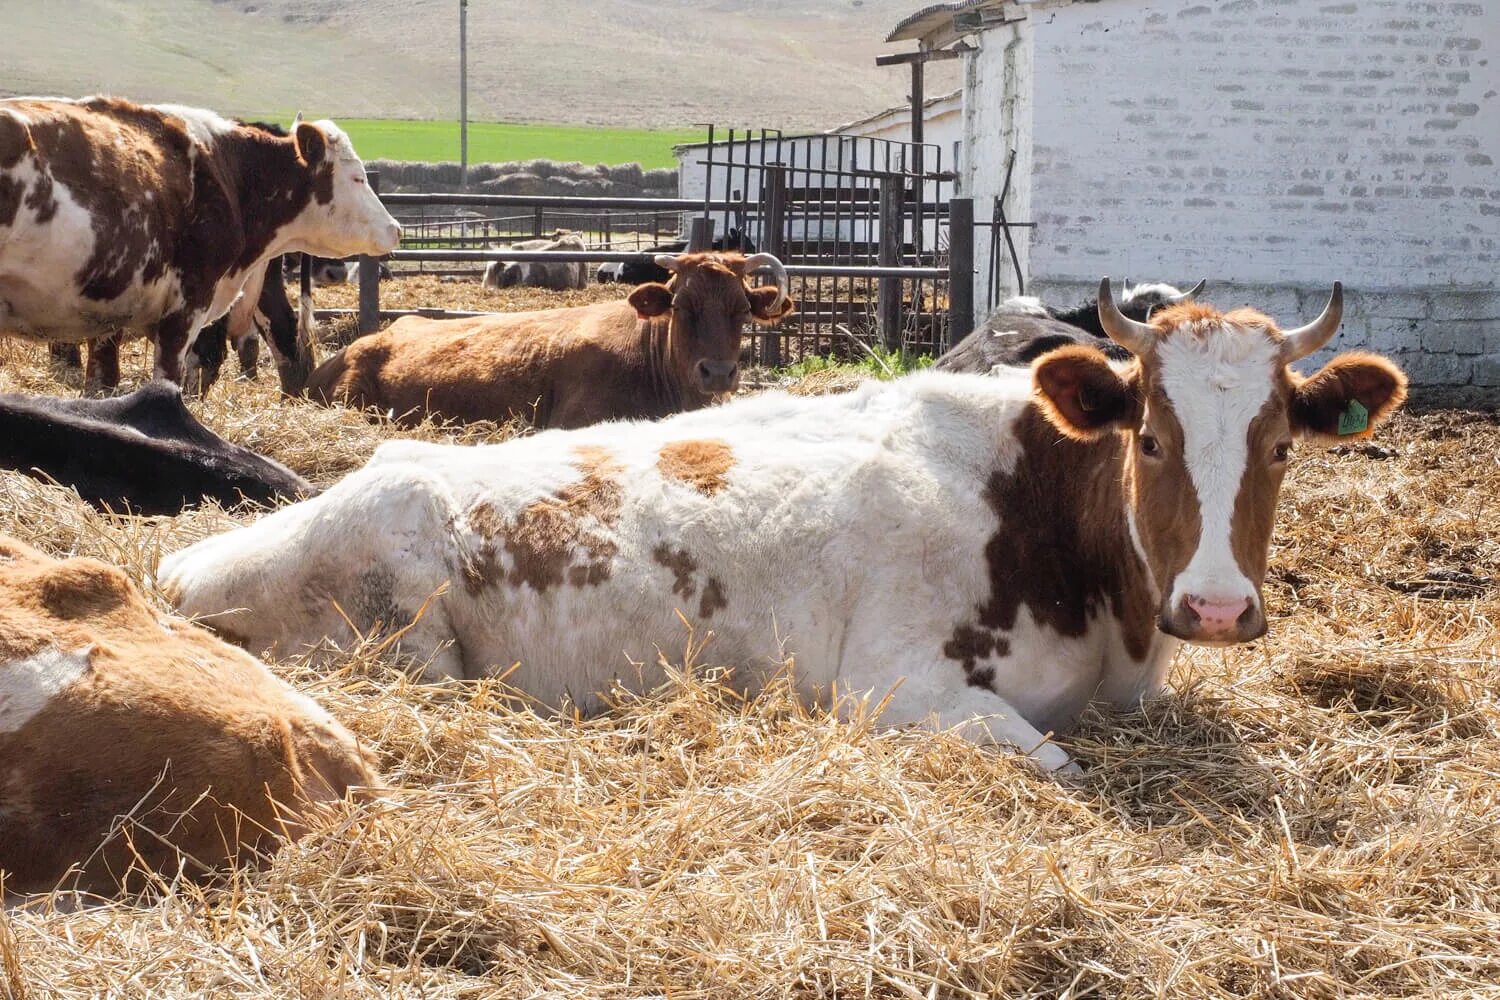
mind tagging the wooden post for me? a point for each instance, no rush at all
(700, 235)
(536, 222)
(369, 276)
(889, 301)
(917, 121)
(773, 241)
(960, 269)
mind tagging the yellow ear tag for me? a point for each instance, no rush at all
(1354, 419)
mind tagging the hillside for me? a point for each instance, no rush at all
(644, 63)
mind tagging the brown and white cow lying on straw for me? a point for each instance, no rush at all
(997, 551)
(664, 349)
(129, 739)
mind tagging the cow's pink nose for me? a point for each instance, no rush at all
(1218, 617)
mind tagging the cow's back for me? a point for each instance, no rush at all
(102, 189)
(512, 366)
(193, 739)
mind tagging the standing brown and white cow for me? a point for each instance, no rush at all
(996, 552)
(663, 349)
(118, 216)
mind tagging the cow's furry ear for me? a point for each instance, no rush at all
(1082, 395)
(1348, 396)
(312, 144)
(761, 301)
(650, 300)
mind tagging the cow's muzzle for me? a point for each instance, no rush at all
(718, 376)
(1214, 622)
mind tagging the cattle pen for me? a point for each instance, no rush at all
(874, 258)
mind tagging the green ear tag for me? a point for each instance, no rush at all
(1354, 419)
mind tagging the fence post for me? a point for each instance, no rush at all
(536, 222)
(369, 276)
(889, 301)
(700, 235)
(960, 269)
(773, 241)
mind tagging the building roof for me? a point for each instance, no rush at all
(932, 18)
(932, 27)
(903, 110)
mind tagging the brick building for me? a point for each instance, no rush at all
(1272, 146)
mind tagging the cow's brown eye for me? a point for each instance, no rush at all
(1150, 447)
(1282, 451)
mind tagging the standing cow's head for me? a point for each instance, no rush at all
(710, 298)
(1207, 412)
(343, 217)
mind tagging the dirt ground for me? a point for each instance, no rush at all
(1316, 814)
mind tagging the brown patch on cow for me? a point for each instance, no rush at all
(193, 739)
(701, 464)
(322, 185)
(1058, 549)
(564, 538)
(15, 140)
(714, 598)
(10, 199)
(41, 199)
(682, 566)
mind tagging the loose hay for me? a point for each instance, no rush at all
(1317, 814)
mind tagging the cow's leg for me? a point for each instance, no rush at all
(205, 359)
(103, 372)
(975, 713)
(247, 349)
(66, 357)
(174, 334)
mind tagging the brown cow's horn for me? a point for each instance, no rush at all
(1135, 337)
(768, 261)
(666, 260)
(296, 121)
(1301, 342)
(1191, 293)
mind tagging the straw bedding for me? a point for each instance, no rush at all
(1314, 815)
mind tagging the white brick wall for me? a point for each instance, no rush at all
(1273, 145)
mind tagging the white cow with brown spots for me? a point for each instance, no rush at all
(998, 551)
(131, 743)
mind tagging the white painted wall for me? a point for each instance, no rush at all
(1271, 145)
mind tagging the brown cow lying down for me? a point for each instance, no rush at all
(109, 709)
(664, 349)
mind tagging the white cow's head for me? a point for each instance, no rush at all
(1206, 414)
(343, 216)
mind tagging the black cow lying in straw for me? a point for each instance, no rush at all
(1022, 329)
(143, 452)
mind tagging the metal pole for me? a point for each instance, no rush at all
(369, 276)
(889, 296)
(463, 94)
(960, 269)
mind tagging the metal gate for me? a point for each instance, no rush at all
(869, 217)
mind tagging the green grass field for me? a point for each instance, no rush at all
(430, 141)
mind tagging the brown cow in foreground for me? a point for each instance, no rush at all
(129, 737)
(664, 349)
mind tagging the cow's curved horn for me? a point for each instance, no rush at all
(666, 260)
(1135, 337)
(296, 121)
(1301, 342)
(1191, 293)
(768, 261)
